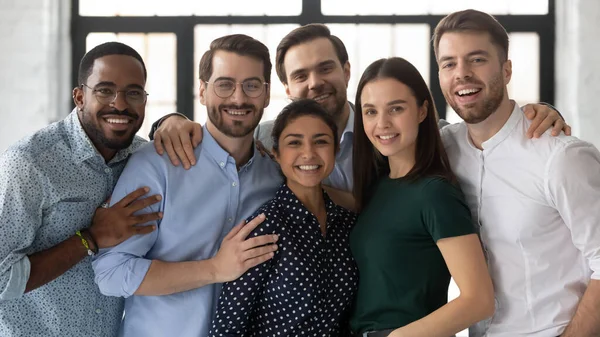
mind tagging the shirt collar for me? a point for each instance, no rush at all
(303, 213)
(221, 156)
(515, 116)
(349, 129)
(82, 147)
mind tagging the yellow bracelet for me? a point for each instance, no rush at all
(85, 243)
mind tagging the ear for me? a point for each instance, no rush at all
(347, 72)
(507, 71)
(423, 111)
(78, 97)
(287, 90)
(268, 95)
(202, 92)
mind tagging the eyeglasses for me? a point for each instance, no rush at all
(107, 94)
(224, 88)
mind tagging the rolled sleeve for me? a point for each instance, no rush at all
(120, 270)
(573, 186)
(20, 218)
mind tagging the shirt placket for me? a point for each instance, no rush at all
(234, 195)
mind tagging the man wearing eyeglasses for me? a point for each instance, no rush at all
(171, 278)
(50, 187)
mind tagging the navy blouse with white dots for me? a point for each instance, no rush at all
(306, 289)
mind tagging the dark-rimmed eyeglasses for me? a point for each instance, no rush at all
(224, 88)
(107, 94)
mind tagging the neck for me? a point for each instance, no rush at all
(240, 148)
(310, 197)
(401, 163)
(483, 131)
(342, 120)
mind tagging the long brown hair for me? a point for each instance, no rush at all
(368, 164)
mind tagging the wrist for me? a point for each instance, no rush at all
(213, 271)
(91, 240)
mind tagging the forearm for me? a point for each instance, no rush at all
(586, 321)
(455, 316)
(165, 278)
(341, 198)
(49, 264)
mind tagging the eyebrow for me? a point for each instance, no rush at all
(321, 64)
(233, 79)
(298, 135)
(396, 101)
(112, 84)
(473, 53)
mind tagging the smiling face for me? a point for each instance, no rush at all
(391, 117)
(111, 127)
(306, 152)
(236, 115)
(472, 77)
(313, 71)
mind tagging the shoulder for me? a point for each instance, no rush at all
(451, 133)
(438, 189)
(263, 133)
(273, 218)
(572, 156)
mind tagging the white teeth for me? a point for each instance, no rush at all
(117, 121)
(467, 91)
(386, 137)
(308, 167)
(236, 112)
(321, 97)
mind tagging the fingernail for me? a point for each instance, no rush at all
(146, 189)
(159, 197)
(275, 237)
(160, 215)
(261, 215)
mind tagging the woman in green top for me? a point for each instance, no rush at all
(414, 231)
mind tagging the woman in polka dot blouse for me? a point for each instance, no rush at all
(307, 288)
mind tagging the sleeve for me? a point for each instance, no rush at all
(120, 270)
(21, 205)
(263, 134)
(445, 213)
(573, 188)
(157, 123)
(442, 123)
(238, 298)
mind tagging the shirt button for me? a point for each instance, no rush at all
(98, 311)
(222, 164)
(229, 219)
(107, 170)
(234, 184)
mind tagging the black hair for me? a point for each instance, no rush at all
(299, 108)
(105, 49)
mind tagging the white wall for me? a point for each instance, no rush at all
(34, 66)
(578, 66)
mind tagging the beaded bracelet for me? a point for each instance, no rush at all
(85, 244)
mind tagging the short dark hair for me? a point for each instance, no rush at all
(109, 48)
(299, 108)
(430, 156)
(473, 21)
(304, 34)
(240, 44)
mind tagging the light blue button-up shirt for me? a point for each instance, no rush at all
(50, 186)
(200, 207)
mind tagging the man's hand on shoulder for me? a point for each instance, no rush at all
(178, 136)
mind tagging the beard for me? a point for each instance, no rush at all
(100, 138)
(478, 112)
(335, 108)
(237, 129)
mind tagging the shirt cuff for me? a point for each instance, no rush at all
(19, 275)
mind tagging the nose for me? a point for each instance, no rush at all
(238, 94)
(315, 81)
(383, 120)
(308, 151)
(120, 103)
(463, 70)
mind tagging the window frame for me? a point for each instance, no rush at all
(183, 28)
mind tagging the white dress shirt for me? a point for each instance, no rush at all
(536, 203)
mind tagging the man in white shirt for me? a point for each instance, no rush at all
(536, 202)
